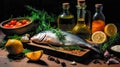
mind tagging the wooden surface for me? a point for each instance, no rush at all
(44, 62)
(60, 49)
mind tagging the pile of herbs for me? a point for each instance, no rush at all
(111, 40)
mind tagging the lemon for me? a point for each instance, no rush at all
(35, 55)
(110, 29)
(14, 46)
(99, 37)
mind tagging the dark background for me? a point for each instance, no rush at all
(16, 8)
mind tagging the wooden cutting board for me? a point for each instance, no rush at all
(79, 53)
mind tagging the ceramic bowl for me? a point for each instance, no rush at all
(19, 30)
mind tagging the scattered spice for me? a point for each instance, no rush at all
(63, 64)
(51, 58)
(73, 63)
(57, 61)
(96, 62)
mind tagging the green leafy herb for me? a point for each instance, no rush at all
(26, 50)
(110, 41)
(2, 44)
(58, 32)
(15, 36)
(73, 47)
(43, 17)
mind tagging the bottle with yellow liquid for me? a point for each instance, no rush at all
(82, 29)
(65, 20)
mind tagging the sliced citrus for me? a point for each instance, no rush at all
(34, 56)
(110, 29)
(99, 37)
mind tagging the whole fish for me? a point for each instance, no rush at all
(48, 37)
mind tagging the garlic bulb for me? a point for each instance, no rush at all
(25, 38)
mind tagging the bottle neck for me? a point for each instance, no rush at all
(99, 14)
(81, 15)
(66, 11)
(99, 9)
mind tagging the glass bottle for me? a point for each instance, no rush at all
(66, 19)
(82, 28)
(98, 22)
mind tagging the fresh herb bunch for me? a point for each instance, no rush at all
(111, 40)
(45, 20)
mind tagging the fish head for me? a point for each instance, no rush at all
(38, 37)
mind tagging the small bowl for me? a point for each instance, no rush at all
(115, 50)
(19, 30)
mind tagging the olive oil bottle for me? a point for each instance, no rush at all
(66, 19)
(82, 28)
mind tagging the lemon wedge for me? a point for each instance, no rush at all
(99, 37)
(110, 29)
(35, 55)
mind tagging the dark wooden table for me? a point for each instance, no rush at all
(44, 62)
(87, 61)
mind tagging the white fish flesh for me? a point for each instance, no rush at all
(48, 37)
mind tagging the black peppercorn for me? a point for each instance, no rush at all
(63, 64)
(51, 58)
(57, 61)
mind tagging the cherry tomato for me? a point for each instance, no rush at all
(13, 22)
(6, 25)
(18, 24)
(11, 26)
(24, 21)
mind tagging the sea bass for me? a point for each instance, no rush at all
(48, 37)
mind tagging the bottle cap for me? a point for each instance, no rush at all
(66, 5)
(80, 2)
(98, 5)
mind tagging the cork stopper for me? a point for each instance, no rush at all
(98, 5)
(66, 5)
(80, 2)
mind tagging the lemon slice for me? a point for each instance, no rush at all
(34, 56)
(110, 29)
(99, 37)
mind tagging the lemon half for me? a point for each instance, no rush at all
(99, 37)
(110, 29)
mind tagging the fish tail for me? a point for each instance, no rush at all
(93, 48)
